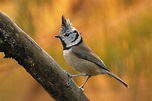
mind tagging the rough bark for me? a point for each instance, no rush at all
(16, 44)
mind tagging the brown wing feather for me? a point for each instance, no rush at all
(82, 51)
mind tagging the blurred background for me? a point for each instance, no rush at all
(119, 31)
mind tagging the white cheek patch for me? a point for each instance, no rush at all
(72, 37)
(74, 42)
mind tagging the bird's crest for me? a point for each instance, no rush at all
(66, 25)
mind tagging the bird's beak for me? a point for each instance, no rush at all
(57, 36)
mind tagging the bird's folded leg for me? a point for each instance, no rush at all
(71, 76)
(82, 86)
(75, 75)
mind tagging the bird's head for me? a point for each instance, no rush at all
(69, 36)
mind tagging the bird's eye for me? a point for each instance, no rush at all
(67, 34)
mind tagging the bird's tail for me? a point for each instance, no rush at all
(117, 78)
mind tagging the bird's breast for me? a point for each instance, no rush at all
(80, 64)
(70, 58)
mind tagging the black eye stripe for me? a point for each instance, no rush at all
(75, 31)
(67, 34)
(77, 35)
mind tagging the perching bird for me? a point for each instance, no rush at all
(79, 55)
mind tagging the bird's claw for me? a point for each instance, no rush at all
(69, 78)
(81, 87)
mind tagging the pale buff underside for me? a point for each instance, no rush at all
(82, 65)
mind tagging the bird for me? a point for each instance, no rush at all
(79, 56)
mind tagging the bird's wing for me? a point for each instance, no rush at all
(82, 51)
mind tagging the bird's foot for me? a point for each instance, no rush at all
(69, 77)
(81, 87)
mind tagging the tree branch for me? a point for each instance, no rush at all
(16, 44)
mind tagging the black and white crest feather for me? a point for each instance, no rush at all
(69, 36)
(66, 25)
